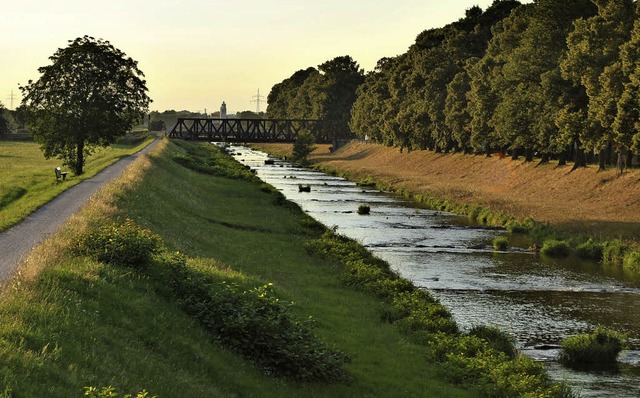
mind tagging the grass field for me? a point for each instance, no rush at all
(27, 179)
(71, 322)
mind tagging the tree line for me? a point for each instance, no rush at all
(553, 79)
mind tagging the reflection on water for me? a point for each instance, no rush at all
(540, 302)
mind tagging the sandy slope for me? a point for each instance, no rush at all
(582, 200)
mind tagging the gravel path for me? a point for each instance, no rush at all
(17, 242)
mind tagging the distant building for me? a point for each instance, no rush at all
(223, 110)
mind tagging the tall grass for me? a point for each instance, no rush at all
(27, 179)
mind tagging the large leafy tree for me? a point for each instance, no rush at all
(592, 64)
(90, 95)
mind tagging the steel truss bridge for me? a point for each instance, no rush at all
(251, 130)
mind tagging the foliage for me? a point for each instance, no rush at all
(555, 248)
(326, 93)
(500, 243)
(364, 209)
(4, 123)
(303, 147)
(157, 125)
(496, 338)
(90, 95)
(589, 250)
(602, 346)
(256, 324)
(120, 244)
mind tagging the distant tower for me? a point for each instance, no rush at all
(258, 99)
(223, 110)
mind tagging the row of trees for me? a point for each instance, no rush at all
(553, 78)
(326, 93)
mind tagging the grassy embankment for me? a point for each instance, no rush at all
(584, 212)
(72, 321)
(27, 179)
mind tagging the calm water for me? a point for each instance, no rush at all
(538, 301)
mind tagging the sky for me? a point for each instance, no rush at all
(195, 54)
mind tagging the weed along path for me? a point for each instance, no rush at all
(18, 241)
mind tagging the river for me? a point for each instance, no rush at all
(539, 301)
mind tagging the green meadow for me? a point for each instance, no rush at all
(28, 181)
(166, 324)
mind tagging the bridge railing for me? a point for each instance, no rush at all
(250, 130)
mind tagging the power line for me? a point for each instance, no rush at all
(258, 99)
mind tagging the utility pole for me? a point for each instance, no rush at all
(258, 99)
(12, 97)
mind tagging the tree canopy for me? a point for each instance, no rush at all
(90, 95)
(554, 78)
(326, 93)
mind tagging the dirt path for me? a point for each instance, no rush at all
(584, 200)
(17, 242)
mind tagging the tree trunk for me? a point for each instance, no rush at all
(621, 161)
(544, 159)
(629, 158)
(528, 157)
(602, 159)
(79, 158)
(562, 159)
(580, 157)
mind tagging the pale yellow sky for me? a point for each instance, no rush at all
(196, 53)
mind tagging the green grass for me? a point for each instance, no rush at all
(79, 322)
(27, 179)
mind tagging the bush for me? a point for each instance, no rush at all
(500, 243)
(632, 260)
(555, 248)
(600, 347)
(255, 324)
(614, 252)
(496, 338)
(520, 226)
(364, 209)
(589, 250)
(126, 244)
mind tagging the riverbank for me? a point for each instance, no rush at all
(583, 201)
(74, 319)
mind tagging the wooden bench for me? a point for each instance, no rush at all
(60, 173)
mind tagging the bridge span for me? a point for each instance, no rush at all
(250, 130)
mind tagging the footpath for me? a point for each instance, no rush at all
(18, 241)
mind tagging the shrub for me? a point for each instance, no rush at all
(500, 243)
(121, 244)
(364, 209)
(496, 338)
(302, 147)
(600, 347)
(555, 248)
(632, 260)
(520, 226)
(589, 250)
(614, 252)
(255, 324)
